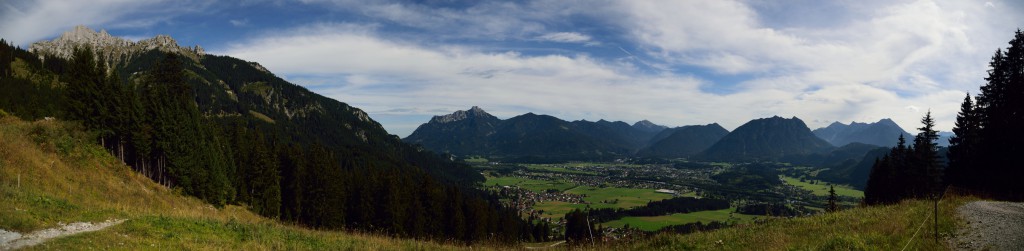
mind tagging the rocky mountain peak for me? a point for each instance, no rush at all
(473, 112)
(109, 49)
(648, 126)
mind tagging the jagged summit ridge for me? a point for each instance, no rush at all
(109, 48)
(648, 126)
(475, 111)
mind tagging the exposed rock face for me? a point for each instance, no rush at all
(648, 126)
(460, 115)
(110, 49)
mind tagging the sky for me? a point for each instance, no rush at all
(674, 63)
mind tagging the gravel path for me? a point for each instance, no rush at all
(991, 225)
(13, 240)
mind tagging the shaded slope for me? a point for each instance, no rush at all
(766, 139)
(881, 133)
(683, 142)
(530, 137)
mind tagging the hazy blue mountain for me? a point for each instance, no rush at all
(766, 139)
(618, 134)
(881, 133)
(944, 138)
(531, 137)
(683, 142)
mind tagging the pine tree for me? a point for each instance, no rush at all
(1000, 110)
(833, 205)
(925, 160)
(963, 146)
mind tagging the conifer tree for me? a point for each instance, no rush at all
(832, 200)
(963, 146)
(925, 160)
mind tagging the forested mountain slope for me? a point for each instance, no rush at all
(229, 132)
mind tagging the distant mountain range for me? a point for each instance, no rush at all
(683, 142)
(766, 139)
(846, 149)
(881, 133)
(531, 137)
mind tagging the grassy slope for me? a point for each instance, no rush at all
(50, 174)
(654, 223)
(871, 228)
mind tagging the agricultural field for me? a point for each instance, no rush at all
(655, 223)
(529, 184)
(555, 169)
(615, 197)
(821, 188)
(475, 160)
(557, 209)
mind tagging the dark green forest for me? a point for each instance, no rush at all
(983, 156)
(215, 129)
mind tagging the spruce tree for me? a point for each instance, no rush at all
(963, 146)
(925, 160)
(833, 205)
(1000, 109)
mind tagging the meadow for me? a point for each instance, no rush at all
(821, 189)
(529, 184)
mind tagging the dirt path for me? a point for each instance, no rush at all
(991, 225)
(14, 240)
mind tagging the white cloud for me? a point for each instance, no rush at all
(388, 77)
(917, 53)
(239, 22)
(565, 37)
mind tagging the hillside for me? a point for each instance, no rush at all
(50, 173)
(683, 142)
(766, 139)
(229, 132)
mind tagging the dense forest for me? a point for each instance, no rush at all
(983, 155)
(159, 114)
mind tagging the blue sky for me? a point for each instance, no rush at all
(672, 62)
